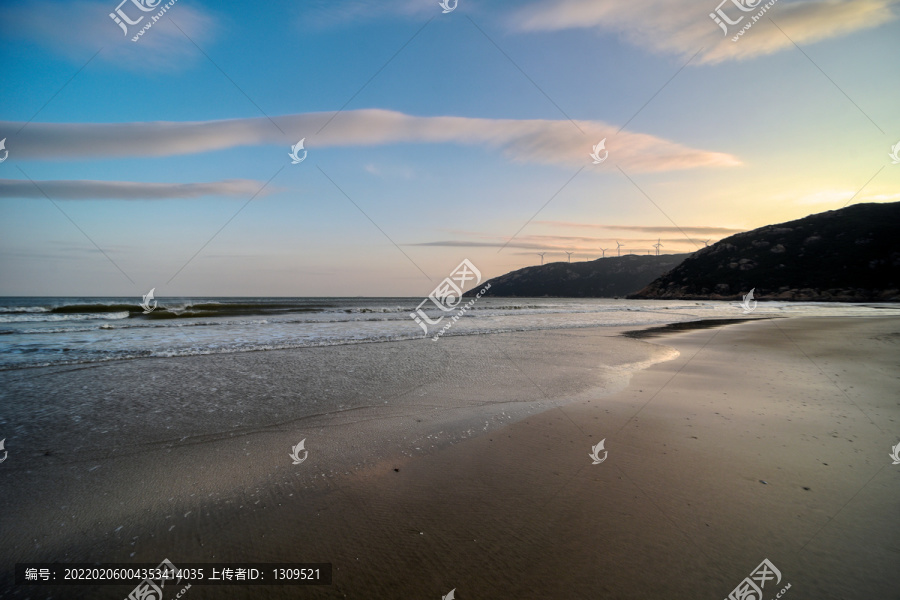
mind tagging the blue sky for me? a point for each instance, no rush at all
(456, 130)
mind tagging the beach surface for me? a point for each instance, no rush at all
(464, 464)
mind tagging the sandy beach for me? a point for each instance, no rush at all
(450, 300)
(465, 464)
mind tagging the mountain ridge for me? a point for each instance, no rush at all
(847, 255)
(601, 278)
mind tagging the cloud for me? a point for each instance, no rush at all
(536, 140)
(682, 27)
(559, 243)
(841, 197)
(330, 13)
(79, 29)
(647, 229)
(389, 171)
(128, 190)
(881, 198)
(826, 197)
(57, 250)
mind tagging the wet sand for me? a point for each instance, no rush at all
(501, 501)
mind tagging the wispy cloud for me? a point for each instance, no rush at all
(389, 171)
(56, 250)
(535, 140)
(840, 197)
(79, 29)
(329, 13)
(559, 243)
(127, 190)
(646, 229)
(682, 27)
(881, 198)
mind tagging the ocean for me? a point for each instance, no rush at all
(46, 331)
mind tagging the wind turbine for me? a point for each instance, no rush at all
(570, 255)
(705, 243)
(618, 246)
(541, 254)
(657, 245)
(604, 251)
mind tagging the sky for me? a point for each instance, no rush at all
(431, 134)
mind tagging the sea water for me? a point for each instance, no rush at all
(41, 331)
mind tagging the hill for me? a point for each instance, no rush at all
(601, 278)
(846, 255)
